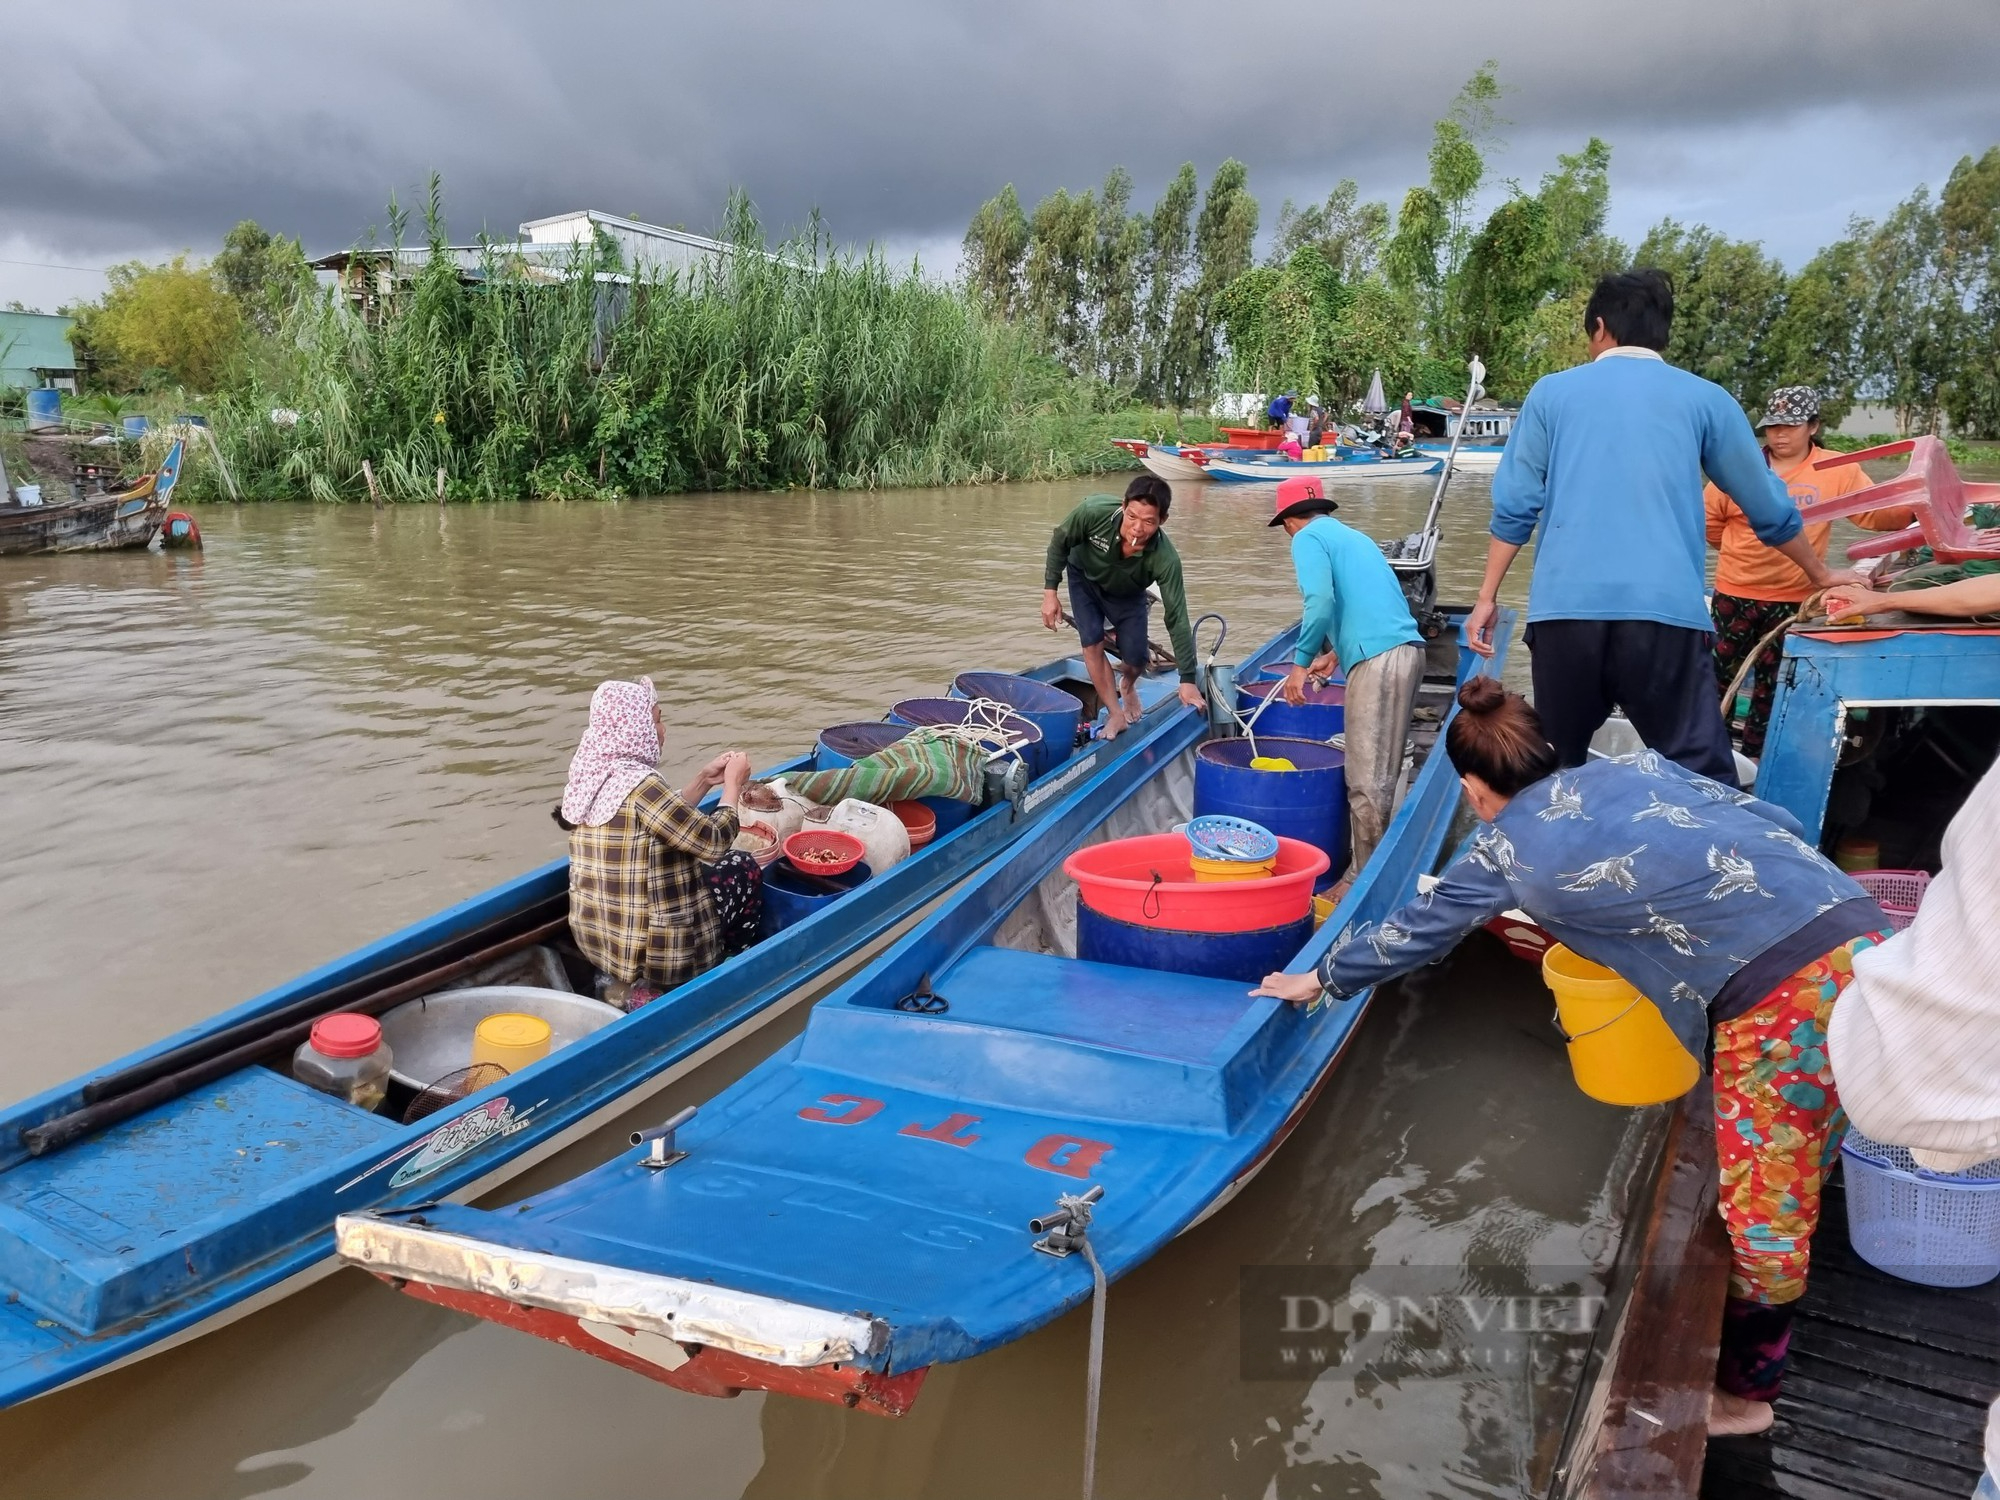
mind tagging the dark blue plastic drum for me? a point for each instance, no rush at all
(1058, 715)
(1244, 956)
(1309, 804)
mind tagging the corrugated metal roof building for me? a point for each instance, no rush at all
(35, 350)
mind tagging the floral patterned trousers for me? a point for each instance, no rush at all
(1739, 625)
(1778, 1125)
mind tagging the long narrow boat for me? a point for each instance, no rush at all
(1273, 469)
(1472, 458)
(857, 1209)
(126, 519)
(220, 1194)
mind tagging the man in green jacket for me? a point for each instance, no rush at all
(1111, 550)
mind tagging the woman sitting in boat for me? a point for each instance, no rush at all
(1711, 903)
(657, 894)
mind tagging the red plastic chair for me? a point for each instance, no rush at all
(1930, 486)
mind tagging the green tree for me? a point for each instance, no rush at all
(1727, 296)
(1169, 243)
(1434, 231)
(1349, 234)
(1223, 239)
(265, 274)
(1816, 337)
(1062, 242)
(1968, 258)
(1902, 350)
(162, 325)
(1113, 290)
(995, 244)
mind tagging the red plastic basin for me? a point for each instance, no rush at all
(1150, 881)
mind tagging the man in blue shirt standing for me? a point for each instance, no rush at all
(1606, 461)
(1355, 616)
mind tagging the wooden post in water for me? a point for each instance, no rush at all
(440, 484)
(368, 473)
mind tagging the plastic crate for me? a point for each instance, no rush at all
(1897, 892)
(1934, 1228)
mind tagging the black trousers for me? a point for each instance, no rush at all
(1663, 676)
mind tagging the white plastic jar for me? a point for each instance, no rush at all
(346, 1057)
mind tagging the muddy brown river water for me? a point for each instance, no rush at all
(218, 770)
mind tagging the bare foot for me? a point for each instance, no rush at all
(1114, 724)
(1737, 1416)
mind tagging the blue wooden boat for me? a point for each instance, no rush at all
(857, 1209)
(219, 1198)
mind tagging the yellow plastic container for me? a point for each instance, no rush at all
(1271, 763)
(1620, 1046)
(1323, 907)
(510, 1040)
(1210, 870)
(1853, 854)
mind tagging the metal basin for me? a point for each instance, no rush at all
(431, 1037)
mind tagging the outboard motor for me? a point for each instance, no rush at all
(1218, 681)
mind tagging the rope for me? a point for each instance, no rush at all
(985, 726)
(1750, 661)
(1094, 1382)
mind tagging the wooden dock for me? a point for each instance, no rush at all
(1887, 1393)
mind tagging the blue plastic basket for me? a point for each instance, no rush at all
(1933, 1228)
(1237, 840)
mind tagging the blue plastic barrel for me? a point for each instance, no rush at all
(1057, 714)
(1320, 717)
(136, 426)
(790, 897)
(44, 408)
(1243, 956)
(844, 744)
(1309, 804)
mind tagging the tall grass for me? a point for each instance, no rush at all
(804, 367)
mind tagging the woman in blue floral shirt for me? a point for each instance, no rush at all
(1711, 903)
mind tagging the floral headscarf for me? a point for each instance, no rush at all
(620, 749)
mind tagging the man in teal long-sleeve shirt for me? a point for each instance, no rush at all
(1356, 615)
(1606, 462)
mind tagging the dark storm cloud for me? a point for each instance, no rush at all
(896, 117)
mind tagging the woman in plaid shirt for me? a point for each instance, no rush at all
(656, 893)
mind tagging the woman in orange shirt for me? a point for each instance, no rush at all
(1757, 589)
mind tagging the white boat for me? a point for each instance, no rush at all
(1479, 460)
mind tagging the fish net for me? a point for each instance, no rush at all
(451, 1088)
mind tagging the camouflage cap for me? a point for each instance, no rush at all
(1790, 406)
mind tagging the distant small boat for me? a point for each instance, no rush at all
(1359, 468)
(94, 523)
(1474, 459)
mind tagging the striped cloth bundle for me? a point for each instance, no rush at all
(924, 763)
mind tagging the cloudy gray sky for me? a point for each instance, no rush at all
(1770, 119)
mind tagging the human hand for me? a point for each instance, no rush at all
(1051, 610)
(1479, 626)
(1851, 602)
(735, 774)
(1191, 696)
(1300, 989)
(1295, 684)
(1844, 578)
(1325, 666)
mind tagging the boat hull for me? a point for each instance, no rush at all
(1350, 471)
(126, 521)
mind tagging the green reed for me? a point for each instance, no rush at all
(799, 367)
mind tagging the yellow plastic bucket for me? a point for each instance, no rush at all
(1210, 870)
(510, 1040)
(1323, 907)
(1620, 1046)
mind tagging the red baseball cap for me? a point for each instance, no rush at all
(1303, 496)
